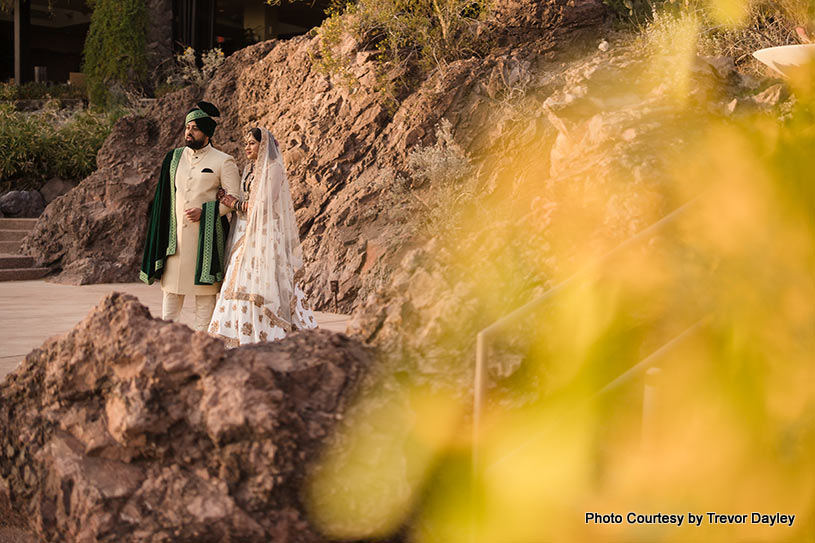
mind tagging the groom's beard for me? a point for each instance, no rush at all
(195, 144)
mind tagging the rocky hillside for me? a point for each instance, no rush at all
(582, 158)
(344, 150)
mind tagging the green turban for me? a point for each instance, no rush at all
(203, 115)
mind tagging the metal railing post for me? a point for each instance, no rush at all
(650, 407)
(484, 336)
(481, 346)
(478, 392)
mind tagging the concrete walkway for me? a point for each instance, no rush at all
(32, 311)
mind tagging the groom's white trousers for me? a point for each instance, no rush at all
(204, 306)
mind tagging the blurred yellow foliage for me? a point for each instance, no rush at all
(731, 420)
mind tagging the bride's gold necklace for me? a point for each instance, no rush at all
(248, 178)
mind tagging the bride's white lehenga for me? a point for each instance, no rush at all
(260, 299)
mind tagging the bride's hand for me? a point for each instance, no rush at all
(221, 194)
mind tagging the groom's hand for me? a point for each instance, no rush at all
(193, 214)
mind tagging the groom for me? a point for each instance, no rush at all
(186, 236)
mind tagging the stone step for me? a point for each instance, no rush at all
(10, 247)
(23, 274)
(17, 224)
(9, 262)
(13, 235)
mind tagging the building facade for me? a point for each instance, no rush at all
(50, 34)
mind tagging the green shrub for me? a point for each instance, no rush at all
(115, 49)
(39, 91)
(331, 60)
(8, 92)
(37, 146)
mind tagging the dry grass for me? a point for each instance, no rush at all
(767, 24)
(735, 30)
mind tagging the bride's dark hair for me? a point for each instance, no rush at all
(256, 134)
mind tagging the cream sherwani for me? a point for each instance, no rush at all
(197, 179)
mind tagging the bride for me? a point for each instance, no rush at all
(259, 299)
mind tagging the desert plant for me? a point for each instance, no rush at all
(411, 37)
(634, 10)
(331, 60)
(432, 31)
(443, 162)
(446, 171)
(185, 71)
(439, 186)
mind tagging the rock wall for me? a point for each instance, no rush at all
(133, 429)
(159, 32)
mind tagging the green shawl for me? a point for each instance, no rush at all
(210, 265)
(161, 240)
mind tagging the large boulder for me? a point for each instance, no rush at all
(22, 204)
(134, 429)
